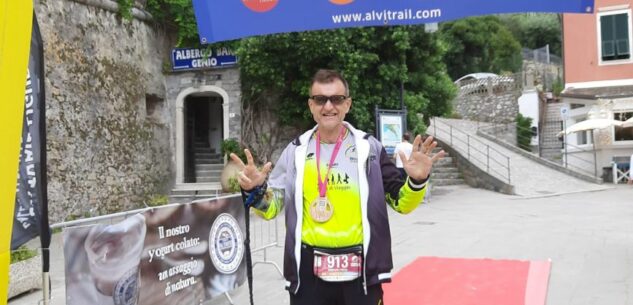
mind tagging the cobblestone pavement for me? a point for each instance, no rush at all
(587, 236)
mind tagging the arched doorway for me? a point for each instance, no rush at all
(201, 126)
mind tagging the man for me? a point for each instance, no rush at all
(406, 147)
(338, 244)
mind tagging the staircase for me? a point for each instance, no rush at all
(208, 163)
(445, 172)
(208, 168)
(551, 145)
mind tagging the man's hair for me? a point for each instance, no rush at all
(324, 76)
(407, 136)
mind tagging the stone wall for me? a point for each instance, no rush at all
(105, 152)
(494, 108)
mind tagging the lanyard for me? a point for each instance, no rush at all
(339, 142)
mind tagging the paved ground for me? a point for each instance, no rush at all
(588, 236)
(529, 178)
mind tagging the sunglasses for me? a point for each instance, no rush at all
(335, 99)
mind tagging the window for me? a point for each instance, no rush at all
(583, 137)
(615, 36)
(622, 133)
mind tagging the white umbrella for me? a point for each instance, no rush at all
(591, 124)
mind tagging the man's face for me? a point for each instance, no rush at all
(329, 116)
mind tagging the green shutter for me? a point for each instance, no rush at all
(622, 36)
(607, 32)
(614, 30)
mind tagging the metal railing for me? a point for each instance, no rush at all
(263, 234)
(476, 151)
(579, 164)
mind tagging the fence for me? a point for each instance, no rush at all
(583, 157)
(476, 151)
(264, 235)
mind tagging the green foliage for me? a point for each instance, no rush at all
(233, 146)
(234, 185)
(157, 200)
(21, 254)
(125, 8)
(176, 13)
(535, 31)
(524, 132)
(558, 87)
(479, 44)
(276, 70)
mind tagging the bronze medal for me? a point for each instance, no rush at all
(321, 210)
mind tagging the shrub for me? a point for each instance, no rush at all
(21, 254)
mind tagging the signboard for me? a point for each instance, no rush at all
(183, 59)
(564, 112)
(177, 254)
(232, 19)
(391, 129)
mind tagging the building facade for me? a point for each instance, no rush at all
(599, 84)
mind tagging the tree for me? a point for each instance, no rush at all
(535, 31)
(276, 71)
(479, 44)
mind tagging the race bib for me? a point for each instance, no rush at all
(341, 267)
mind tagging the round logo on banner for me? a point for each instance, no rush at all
(260, 6)
(126, 289)
(341, 2)
(226, 244)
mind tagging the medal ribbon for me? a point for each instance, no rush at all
(339, 142)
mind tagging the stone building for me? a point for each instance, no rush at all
(122, 126)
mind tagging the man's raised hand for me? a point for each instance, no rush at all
(249, 176)
(418, 165)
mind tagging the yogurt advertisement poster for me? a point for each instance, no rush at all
(177, 254)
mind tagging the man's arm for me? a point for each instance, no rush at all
(402, 196)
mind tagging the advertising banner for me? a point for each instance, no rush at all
(15, 32)
(31, 206)
(177, 254)
(232, 19)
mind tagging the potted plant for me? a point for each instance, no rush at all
(25, 272)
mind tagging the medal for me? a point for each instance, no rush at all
(321, 209)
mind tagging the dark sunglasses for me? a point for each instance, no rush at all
(335, 99)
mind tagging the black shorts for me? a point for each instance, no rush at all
(315, 291)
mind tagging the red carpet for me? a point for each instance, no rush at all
(448, 281)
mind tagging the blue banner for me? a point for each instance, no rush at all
(232, 19)
(196, 59)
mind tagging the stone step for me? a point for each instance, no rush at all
(445, 170)
(443, 176)
(444, 162)
(208, 173)
(208, 179)
(209, 161)
(441, 182)
(207, 154)
(209, 167)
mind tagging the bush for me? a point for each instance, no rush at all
(233, 146)
(524, 132)
(21, 254)
(157, 200)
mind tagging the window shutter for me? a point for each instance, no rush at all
(622, 35)
(607, 29)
